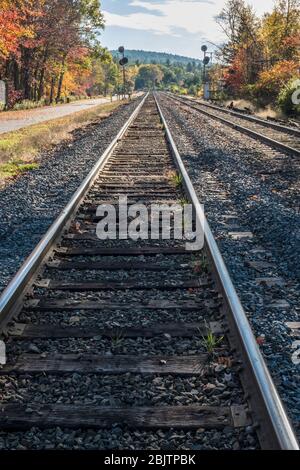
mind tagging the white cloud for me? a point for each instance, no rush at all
(177, 17)
(192, 16)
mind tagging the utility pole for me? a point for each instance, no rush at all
(123, 62)
(206, 60)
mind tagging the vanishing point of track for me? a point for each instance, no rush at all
(142, 292)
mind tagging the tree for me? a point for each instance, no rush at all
(12, 27)
(131, 74)
(271, 81)
(260, 56)
(149, 76)
(280, 31)
(46, 46)
(241, 26)
(112, 76)
(288, 98)
(169, 75)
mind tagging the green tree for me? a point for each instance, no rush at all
(280, 31)
(111, 76)
(241, 26)
(149, 76)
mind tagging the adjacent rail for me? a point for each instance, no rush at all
(272, 409)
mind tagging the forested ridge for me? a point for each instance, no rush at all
(150, 57)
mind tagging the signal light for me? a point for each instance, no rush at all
(123, 61)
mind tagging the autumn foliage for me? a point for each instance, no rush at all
(13, 27)
(272, 80)
(262, 55)
(48, 47)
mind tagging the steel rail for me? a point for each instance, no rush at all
(254, 119)
(17, 286)
(244, 130)
(270, 412)
(281, 428)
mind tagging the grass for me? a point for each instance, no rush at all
(117, 339)
(28, 104)
(211, 342)
(201, 264)
(176, 179)
(8, 170)
(19, 149)
(184, 201)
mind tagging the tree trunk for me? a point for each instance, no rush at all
(61, 79)
(16, 75)
(26, 74)
(60, 82)
(42, 75)
(41, 84)
(52, 90)
(34, 96)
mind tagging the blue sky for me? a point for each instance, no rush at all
(175, 26)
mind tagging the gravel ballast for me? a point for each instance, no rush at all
(120, 439)
(248, 187)
(210, 371)
(31, 203)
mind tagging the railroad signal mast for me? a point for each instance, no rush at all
(123, 62)
(206, 61)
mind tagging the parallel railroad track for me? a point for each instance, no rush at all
(135, 315)
(276, 135)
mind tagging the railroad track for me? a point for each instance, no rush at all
(276, 135)
(135, 316)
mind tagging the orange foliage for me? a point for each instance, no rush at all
(292, 42)
(78, 71)
(234, 75)
(272, 80)
(47, 47)
(12, 28)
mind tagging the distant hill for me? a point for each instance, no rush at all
(149, 57)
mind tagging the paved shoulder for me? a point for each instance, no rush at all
(14, 120)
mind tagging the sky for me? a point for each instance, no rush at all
(174, 26)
